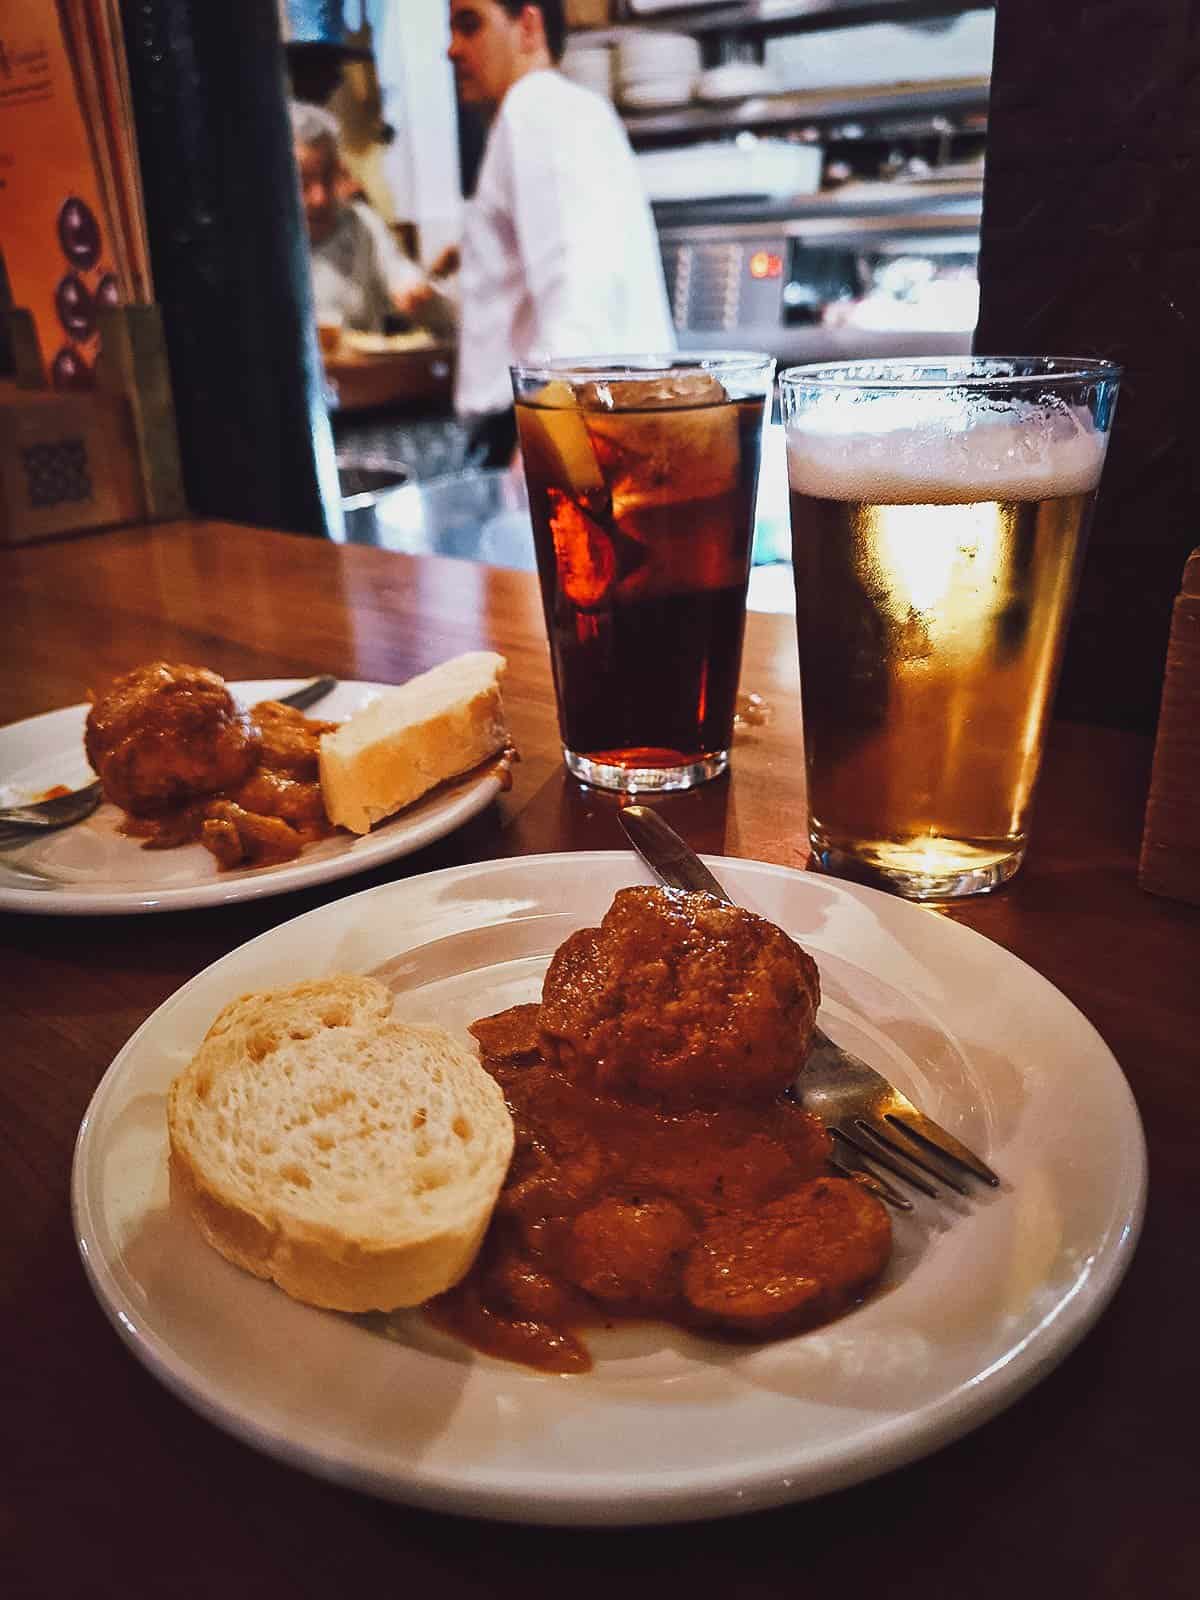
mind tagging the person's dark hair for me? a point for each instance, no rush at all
(552, 17)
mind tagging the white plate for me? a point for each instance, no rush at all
(656, 94)
(668, 1426)
(736, 81)
(91, 869)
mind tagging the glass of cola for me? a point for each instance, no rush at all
(642, 475)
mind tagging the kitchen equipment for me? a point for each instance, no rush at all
(887, 269)
(749, 166)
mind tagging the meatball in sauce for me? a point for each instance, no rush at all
(682, 999)
(660, 1170)
(174, 750)
(165, 734)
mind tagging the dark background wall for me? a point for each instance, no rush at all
(1091, 246)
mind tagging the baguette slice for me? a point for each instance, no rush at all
(396, 749)
(353, 1160)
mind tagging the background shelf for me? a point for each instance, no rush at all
(870, 104)
(786, 16)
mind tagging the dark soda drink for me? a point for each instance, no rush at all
(642, 492)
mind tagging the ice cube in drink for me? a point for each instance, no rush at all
(670, 453)
(555, 442)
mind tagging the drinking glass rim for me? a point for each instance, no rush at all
(953, 372)
(655, 363)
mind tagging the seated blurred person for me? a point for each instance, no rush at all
(360, 276)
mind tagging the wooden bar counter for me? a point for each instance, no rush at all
(1085, 1486)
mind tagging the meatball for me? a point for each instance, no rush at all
(516, 1287)
(510, 1035)
(629, 1251)
(162, 735)
(290, 740)
(802, 1260)
(680, 999)
(239, 838)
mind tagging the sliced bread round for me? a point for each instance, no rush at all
(353, 1160)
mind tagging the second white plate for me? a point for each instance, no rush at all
(975, 1307)
(92, 869)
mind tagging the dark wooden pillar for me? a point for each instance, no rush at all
(1091, 246)
(229, 254)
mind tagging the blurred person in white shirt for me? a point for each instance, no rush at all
(559, 252)
(360, 275)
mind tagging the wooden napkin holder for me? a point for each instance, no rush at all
(1170, 859)
(71, 460)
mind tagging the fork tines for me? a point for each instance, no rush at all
(879, 1131)
(866, 1143)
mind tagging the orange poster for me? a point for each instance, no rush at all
(55, 233)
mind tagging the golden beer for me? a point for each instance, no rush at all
(934, 576)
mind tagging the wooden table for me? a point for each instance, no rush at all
(1087, 1485)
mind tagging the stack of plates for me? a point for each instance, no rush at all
(737, 80)
(712, 169)
(591, 66)
(644, 7)
(656, 70)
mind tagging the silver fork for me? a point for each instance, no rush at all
(873, 1123)
(58, 812)
(43, 816)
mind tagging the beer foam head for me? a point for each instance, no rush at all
(938, 449)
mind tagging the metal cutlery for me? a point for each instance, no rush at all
(40, 816)
(874, 1125)
(309, 693)
(60, 811)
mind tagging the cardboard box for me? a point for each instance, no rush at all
(67, 462)
(588, 13)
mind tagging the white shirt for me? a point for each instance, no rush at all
(559, 255)
(357, 269)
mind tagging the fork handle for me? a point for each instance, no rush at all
(308, 694)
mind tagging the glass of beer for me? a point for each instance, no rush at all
(939, 515)
(642, 473)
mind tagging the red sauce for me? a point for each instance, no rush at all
(278, 809)
(267, 818)
(720, 1219)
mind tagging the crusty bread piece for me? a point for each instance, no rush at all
(412, 738)
(353, 1160)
